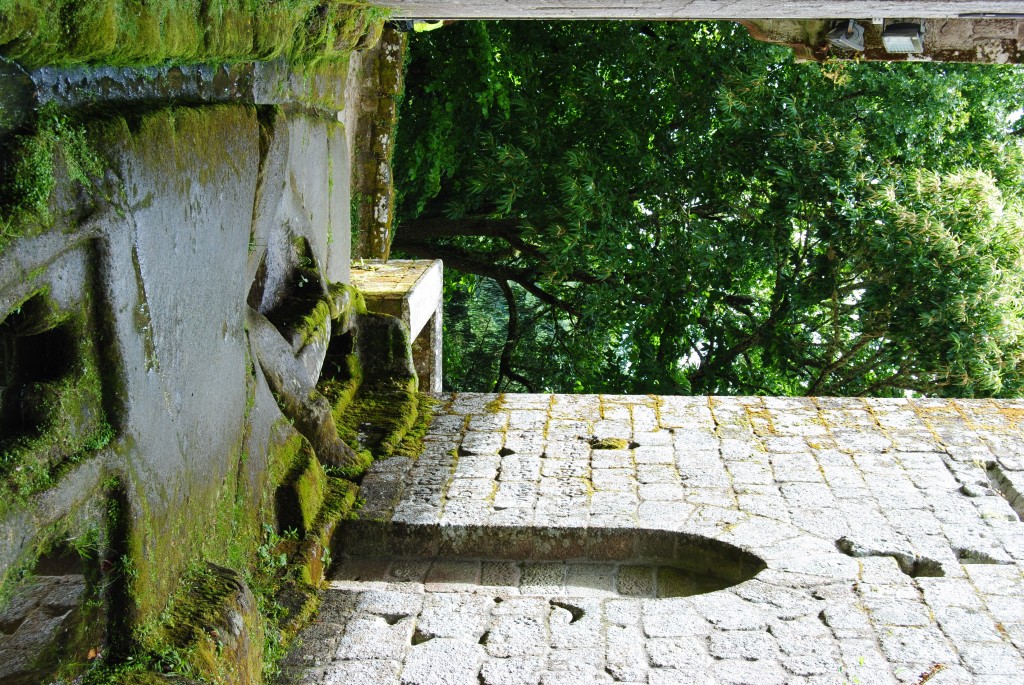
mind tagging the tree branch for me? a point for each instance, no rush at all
(483, 265)
(842, 360)
(441, 227)
(511, 338)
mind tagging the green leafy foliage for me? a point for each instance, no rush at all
(34, 173)
(677, 208)
(60, 147)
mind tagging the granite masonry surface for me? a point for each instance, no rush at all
(526, 544)
(696, 9)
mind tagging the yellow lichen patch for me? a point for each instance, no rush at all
(1012, 414)
(494, 406)
(761, 421)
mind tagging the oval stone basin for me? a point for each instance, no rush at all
(540, 561)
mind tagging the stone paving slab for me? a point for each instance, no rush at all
(889, 530)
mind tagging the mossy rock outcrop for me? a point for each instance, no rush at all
(214, 623)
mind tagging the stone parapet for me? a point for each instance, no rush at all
(526, 540)
(411, 291)
(692, 9)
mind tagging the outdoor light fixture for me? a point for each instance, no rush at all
(847, 34)
(903, 38)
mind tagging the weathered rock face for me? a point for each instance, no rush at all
(190, 181)
(172, 441)
(39, 627)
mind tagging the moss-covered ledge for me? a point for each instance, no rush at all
(67, 32)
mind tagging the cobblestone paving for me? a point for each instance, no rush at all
(891, 532)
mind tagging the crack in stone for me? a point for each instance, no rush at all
(1002, 484)
(913, 565)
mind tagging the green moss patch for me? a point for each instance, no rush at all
(313, 323)
(304, 311)
(213, 623)
(138, 678)
(301, 495)
(385, 352)
(160, 545)
(290, 572)
(378, 420)
(137, 32)
(339, 504)
(346, 375)
(346, 301)
(412, 444)
(59, 153)
(52, 415)
(211, 632)
(284, 453)
(71, 428)
(298, 592)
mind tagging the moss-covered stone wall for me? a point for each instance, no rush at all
(157, 448)
(65, 32)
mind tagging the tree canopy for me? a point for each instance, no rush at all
(674, 207)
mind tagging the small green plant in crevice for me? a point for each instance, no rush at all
(270, 557)
(265, 581)
(33, 177)
(60, 149)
